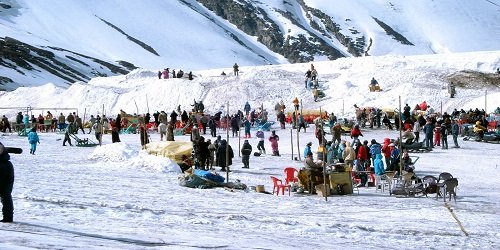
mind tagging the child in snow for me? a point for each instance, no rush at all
(437, 135)
(274, 138)
(33, 140)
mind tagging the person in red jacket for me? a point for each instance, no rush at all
(386, 151)
(361, 157)
(355, 133)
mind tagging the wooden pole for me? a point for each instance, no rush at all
(343, 108)
(239, 141)
(485, 101)
(291, 140)
(84, 116)
(323, 153)
(400, 141)
(227, 144)
(136, 107)
(102, 126)
(298, 126)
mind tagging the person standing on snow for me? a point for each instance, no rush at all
(247, 124)
(33, 140)
(162, 129)
(6, 124)
(428, 130)
(274, 138)
(454, 132)
(221, 155)
(444, 136)
(235, 69)
(213, 127)
(170, 132)
(247, 108)
(296, 103)
(6, 185)
(260, 146)
(308, 78)
(246, 150)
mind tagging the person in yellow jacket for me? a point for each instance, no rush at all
(296, 103)
(349, 155)
(479, 130)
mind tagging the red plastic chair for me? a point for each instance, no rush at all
(356, 180)
(278, 184)
(290, 175)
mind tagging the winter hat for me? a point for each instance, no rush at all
(309, 143)
(374, 141)
(246, 141)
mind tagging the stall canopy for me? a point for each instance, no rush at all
(170, 149)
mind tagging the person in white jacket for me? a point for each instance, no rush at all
(162, 129)
(416, 131)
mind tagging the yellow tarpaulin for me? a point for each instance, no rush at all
(170, 149)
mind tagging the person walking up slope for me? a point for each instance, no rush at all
(33, 140)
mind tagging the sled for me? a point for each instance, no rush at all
(131, 129)
(266, 126)
(374, 88)
(416, 147)
(12, 150)
(83, 142)
(23, 132)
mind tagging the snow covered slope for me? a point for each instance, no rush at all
(344, 81)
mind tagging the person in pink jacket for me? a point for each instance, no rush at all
(274, 138)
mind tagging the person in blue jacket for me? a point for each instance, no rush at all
(307, 149)
(375, 149)
(247, 125)
(378, 165)
(33, 140)
(26, 121)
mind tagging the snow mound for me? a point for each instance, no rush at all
(162, 164)
(127, 155)
(114, 152)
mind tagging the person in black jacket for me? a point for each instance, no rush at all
(246, 150)
(6, 185)
(202, 153)
(221, 155)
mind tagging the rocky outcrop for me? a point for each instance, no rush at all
(391, 32)
(23, 58)
(254, 21)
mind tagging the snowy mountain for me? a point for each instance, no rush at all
(62, 42)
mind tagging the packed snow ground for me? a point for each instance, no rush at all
(115, 196)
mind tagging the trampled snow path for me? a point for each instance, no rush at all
(63, 199)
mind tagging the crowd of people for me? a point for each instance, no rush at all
(167, 73)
